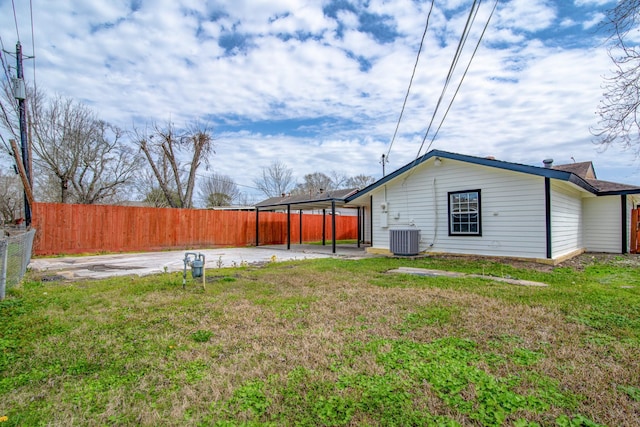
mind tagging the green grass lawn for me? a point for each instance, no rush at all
(327, 342)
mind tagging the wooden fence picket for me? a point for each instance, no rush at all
(74, 229)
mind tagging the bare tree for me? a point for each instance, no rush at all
(164, 148)
(149, 189)
(277, 179)
(156, 197)
(11, 197)
(338, 179)
(78, 158)
(317, 182)
(107, 166)
(360, 181)
(618, 109)
(83, 155)
(314, 183)
(219, 190)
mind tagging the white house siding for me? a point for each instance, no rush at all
(512, 208)
(602, 222)
(566, 219)
(366, 223)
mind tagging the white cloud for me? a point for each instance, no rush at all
(522, 100)
(527, 15)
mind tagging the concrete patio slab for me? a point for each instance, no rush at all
(103, 266)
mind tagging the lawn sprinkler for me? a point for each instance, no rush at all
(196, 262)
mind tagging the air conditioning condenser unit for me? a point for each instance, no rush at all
(404, 241)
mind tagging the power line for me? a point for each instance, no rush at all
(33, 48)
(230, 181)
(486, 25)
(463, 37)
(6, 118)
(3, 108)
(5, 66)
(15, 18)
(415, 66)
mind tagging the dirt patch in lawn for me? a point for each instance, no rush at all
(579, 262)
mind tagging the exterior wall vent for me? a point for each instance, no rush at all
(404, 241)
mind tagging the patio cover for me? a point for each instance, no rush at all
(321, 200)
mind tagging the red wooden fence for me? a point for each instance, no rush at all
(73, 229)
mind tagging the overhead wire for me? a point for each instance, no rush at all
(33, 47)
(5, 66)
(219, 179)
(454, 62)
(3, 109)
(15, 18)
(415, 66)
(486, 25)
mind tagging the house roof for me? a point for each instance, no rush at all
(580, 174)
(607, 187)
(583, 169)
(319, 200)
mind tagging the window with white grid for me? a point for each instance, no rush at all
(464, 213)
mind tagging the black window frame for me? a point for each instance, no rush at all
(454, 233)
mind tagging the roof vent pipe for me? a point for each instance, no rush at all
(547, 163)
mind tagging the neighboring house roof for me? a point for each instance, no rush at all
(134, 203)
(319, 200)
(586, 171)
(577, 173)
(583, 169)
(607, 187)
(232, 208)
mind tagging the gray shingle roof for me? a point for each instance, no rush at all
(308, 201)
(583, 169)
(612, 187)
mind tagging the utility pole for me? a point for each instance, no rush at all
(384, 160)
(19, 92)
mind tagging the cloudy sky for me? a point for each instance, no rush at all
(319, 85)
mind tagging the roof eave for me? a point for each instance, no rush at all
(309, 204)
(619, 192)
(532, 170)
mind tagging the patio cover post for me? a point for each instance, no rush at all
(333, 226)
(257, 227)
(359, 227)
(289, 226)
(324, 227)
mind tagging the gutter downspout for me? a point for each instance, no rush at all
(547, 206)
(623, 208)
(371, 220)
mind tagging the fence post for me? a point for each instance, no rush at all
(4, 244)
